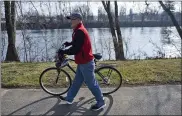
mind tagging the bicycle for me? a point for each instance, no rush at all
(57, 81)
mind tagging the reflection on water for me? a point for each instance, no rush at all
(139, 42)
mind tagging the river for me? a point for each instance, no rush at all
(139, 42)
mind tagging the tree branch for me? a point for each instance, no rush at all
(104, 4)
(172, 18)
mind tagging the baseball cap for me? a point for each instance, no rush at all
(74, 16)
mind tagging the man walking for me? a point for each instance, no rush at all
(82, 50)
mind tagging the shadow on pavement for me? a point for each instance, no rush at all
(33, 103)
(77, 108)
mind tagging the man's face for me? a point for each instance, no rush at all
(74, 22)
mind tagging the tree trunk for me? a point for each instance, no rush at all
(111, 23)
(120, 39)
(112, 29)
(10, 26)
(172, 18)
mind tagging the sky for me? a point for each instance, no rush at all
(136, 6)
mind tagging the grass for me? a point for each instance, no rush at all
(143, 72)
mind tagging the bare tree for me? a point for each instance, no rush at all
(3, 43)
(108, 48)
(168, 8)
(120, 38)
(101, 46)
(27, 40)
(118, 44)
(168, 39)
(85, 11)
(131, 15)
(126, 43)
(143, 13)
(11, 27)
(122, 13)
(23, 31)
(2, 33)
(94, 40)
(159, 50)
(102, 16)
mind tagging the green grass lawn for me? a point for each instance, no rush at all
(141, 72)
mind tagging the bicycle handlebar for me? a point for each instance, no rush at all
(62, 47)
(69, 59)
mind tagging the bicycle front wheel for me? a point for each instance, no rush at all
(109, 79)
(55, 81)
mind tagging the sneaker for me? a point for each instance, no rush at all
(69, 102)
(98, 106)
(64, 99)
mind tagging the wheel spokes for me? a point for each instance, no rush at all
(109, 73)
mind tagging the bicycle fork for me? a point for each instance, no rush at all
(58, 70)
(105, 79)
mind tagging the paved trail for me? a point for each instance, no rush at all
(143, 100)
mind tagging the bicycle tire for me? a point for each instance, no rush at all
(99, 79)
(61, 72)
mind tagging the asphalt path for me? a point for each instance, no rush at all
(141, 100)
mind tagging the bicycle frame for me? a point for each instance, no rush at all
(68, 65)
(68, 59)
(100, 74)
(71, 68)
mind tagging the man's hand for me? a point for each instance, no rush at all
(60, 52)
(67, 44)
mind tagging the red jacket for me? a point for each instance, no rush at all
(85, 54)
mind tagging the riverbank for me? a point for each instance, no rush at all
(55, 25)
(142, 72)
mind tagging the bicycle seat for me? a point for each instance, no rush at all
(97, 56)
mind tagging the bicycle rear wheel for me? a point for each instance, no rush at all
(109, 79)
(55, 81)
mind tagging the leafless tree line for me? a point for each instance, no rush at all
(32, 52)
